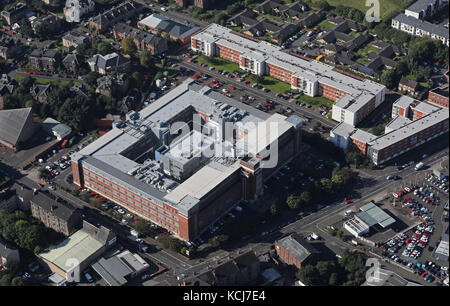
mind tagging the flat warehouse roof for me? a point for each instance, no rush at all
(80, 245)
(202, 182)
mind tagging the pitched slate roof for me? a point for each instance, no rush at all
(13, 123)
(61, 210)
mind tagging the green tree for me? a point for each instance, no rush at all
(128, 46)
(388, 79)
(308, 275)
(142, 227)
(327, 185)
(18, 281)
(293, 201)
(6, 280)
(306, 197)
(322, 5)
(274, 209)
(44, 173)
(146, 59)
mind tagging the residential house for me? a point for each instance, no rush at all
(8, 200)
(61, 217)
(142, 39)
(75, 9)
(287, 30)
(40, 92)
(72, 62)
(44, 59)
(74, 39)
(79, 90)
(245, 18)
(112, 62)
(15, 13)
(312, 19)
(123, 11)
(293, 250)
(110, 85)
(409, 86)
(10, 47)
(52, 23)
(8, 253)
(160, 25)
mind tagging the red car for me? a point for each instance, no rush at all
(348, 201)
(417, 235)
(34, 72)
(408, 240)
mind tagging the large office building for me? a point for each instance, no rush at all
(354, 98)
(186, 159)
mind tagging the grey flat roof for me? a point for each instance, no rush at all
(372, 214)
(313, 70)
(343, 129)
(106, 157)
(397, 123)
(363, 136)
(410, 129)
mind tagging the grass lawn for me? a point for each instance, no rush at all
(237, 29)
(272, 84)
(367, 49)
(325, 25)
(172, 72)
(316, 101)
(44, 81)
(386, 6)
(219, 63)
(362, 60)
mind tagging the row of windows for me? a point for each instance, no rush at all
(140, 207)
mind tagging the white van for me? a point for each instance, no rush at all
(419, 166)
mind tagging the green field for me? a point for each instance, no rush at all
(218, 63)
(386, 6)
